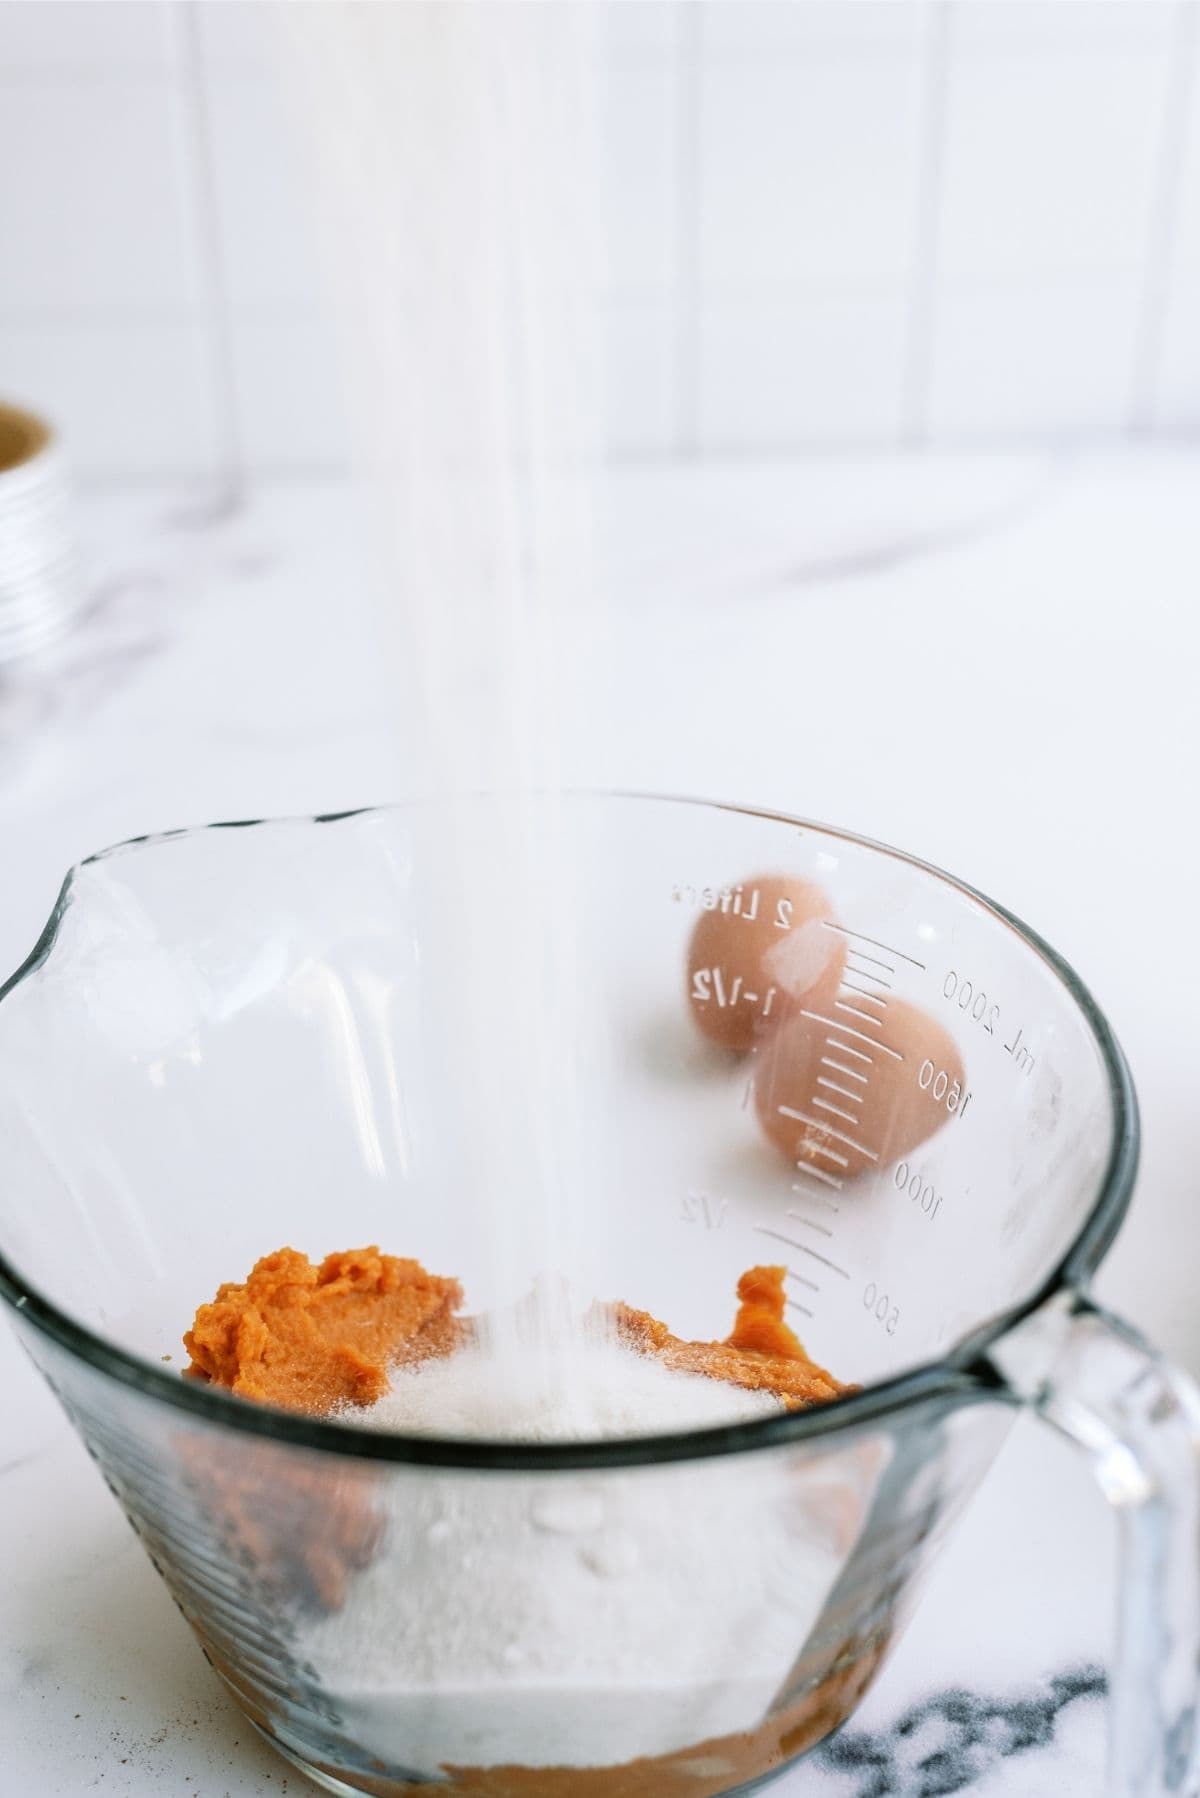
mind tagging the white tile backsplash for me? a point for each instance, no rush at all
(1174, 398)
(643, 174)
(736, 27)
(1177, 389)
(644, 28)
(830, 221)
(268, 233)
(1050, 163)
(992, 26)
(132, 398)
(291, 412)
(794, 372)
(235, 35)
(1185, 247)
(94, 207)
(643, 368)
(808, 174)
(1052, 359)
(86, 36)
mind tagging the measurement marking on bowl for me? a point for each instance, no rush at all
(866, 973)
(800, 1117)
(765, 1230)
(861, 954)
(818, 1173)
(848, 986)
(817, 1017)
(854, 1098)
(839, 1069)
(864, 1017)
(858, 936)
(803, 1249)
(811, 1223)
(824, 1260)
(801, 1279)
(847, 1117)
(795, 1305)
(815, 1198)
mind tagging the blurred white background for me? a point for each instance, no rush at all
(850, 223)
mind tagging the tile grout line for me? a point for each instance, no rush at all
(1162, 230)
(927, 231)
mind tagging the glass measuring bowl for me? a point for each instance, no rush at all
(234, 1038)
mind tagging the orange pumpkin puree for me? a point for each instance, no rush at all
(308, 1337)
(760, 1353)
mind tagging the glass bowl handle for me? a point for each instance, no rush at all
(1138, 1419)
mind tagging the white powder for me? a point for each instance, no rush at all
(578, 1387)
(575, 1619)
(569, 1618)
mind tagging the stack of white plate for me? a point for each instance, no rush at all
(40, 588)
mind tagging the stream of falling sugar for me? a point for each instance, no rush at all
(456, 148)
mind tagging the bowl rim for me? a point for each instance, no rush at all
(963, 1374)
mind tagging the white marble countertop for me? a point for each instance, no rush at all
(1018, 639)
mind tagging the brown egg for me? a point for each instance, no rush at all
(756, 953)
(843, 1093)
